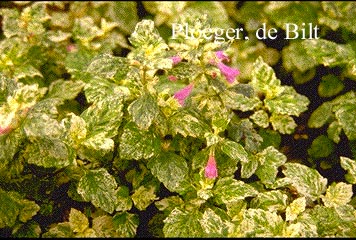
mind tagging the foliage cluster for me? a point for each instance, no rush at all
(110, 128)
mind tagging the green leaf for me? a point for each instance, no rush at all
(212, 224)
(350, 166)
(321, 115)
(146, 34)
(270, 138)
(295, 208)
(25, 96)
(137, 144)
(172, 170)
(330, 85)
(295, 57)
(338, 194)
(104, 116)
(283, 123)
(97, 89)
(103, 226)
(289, 102)
(40, 125)
(240, 102)
(26, 70)
(183, 223)
(252, 15)
(226, 165)
(169, 203)
(9, 144)
(347, 216)
(58, 36)
(144, 110)
(108, 66)
(96, 147)
(261, 223)
(250, 167)
(30, 229)
(164, 12)
(60, 230)
(50, 152)
(30, 20)
(150, 48)
(29, 209)
(234, 210)
(234, 150)
(244, 130)
(123, 199)
(261, 118)
(346, 115)
(99, 187)
(65, 90)
(184, 71)
(219, 122)
(14, 207)
(85, 29)
(78, 221)
(10, 22)
(7, 87)
(121, 225)
(143, 197)
(270, 160)
(200, 158)
(308, 182)
(75, 130)
(125, 224)
(214, 11)
(329, 53)
(271, 201)
(297, 13)
(227, 190)
(348, 97)
(88, 233)
(338, 15)
(188, 124)
(264, 80)
(304, 228)
(331, 221)
(124, 14)
(10, 208)
(321, 147)
(77, 62)
(334, 130)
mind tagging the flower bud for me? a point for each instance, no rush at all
(228, 72)
(176, 59)
(221, 56)
(182, 94)
(211, 170)
(172, 78)
(5, 130)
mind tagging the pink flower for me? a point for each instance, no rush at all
(182, 94)
(71, 48)
(172, 78)
(228, 72)
(211, 170)
(5, 130)
(176, 59)
(222, 56)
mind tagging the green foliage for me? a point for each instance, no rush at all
(98, 186)
(106, 119)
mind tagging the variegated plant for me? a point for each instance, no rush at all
(94, 139)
